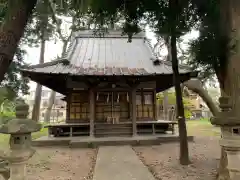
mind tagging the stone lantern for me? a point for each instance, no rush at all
(229, 121)
(4, 170)
(20, 151)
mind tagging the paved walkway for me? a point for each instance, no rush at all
(120, 163)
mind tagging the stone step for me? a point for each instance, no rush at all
(111, 127)
(110, 134)
(113, 133)
(114, 130)
(108, 130)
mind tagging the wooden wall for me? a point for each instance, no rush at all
(78, 106)
(145, 105)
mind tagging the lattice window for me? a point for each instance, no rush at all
(103, 105)
(79, 107)
(145, 108)
(138, 99)
(148, 98)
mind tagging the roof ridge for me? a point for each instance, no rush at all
(109, 34)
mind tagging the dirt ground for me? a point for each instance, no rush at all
(77, 164)
(163, 161)
(62, 164)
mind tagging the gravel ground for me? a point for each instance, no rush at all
(163, 161)
(62, 164)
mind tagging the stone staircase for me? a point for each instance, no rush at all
(114, 130)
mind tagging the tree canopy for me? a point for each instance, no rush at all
(208, 51)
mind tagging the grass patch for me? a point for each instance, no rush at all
(42, 132)
(202, 127)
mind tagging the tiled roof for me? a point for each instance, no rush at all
(109, 55)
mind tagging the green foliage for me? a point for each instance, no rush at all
(6, 115)
(13, 78)
(40, 27)
(6, 94)
(14, 81)
(159, 18)
(172, 101)
(7, 104)
(208, 51)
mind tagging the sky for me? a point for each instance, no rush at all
(53, 49)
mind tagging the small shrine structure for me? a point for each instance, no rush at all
(110, 84)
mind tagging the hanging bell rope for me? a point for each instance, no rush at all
(97, 97)
(127, 98)
(118, 98)
(108, 98)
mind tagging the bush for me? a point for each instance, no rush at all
(6, 116)
(187, 114)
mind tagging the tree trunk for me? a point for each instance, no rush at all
(51, 101)
(43, 32)
(230, 84)
(12, 29)
(196, 86)
(184, 155)
(52, 97)
(165, 93)
(38, 93)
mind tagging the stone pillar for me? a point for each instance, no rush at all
(229, 121)
(20, 152)
(91, 111)
(134, 111)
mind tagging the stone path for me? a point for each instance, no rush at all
(120, 163)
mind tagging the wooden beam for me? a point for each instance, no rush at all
(68, 98)
(133, 83)
(155, 113)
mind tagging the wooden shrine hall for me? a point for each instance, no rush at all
(110, 85)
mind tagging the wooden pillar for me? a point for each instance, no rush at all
(155, 107)
(91, 111)
(68, 99)
(134, 111)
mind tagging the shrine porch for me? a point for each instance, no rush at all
(120, 129)
(92, 142)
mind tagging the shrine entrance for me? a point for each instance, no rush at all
(112, 107)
